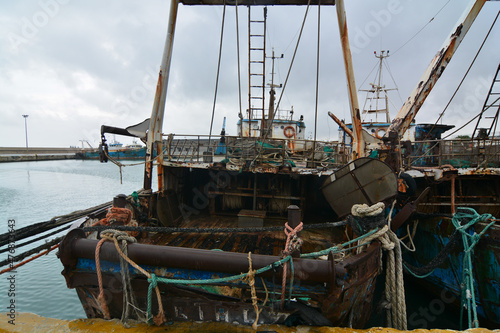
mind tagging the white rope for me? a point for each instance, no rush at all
(394, 284)
(364, 210)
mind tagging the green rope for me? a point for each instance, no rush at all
(153, 280)
(135, 196)
(339, 248)
(470, 239)
(416, 275)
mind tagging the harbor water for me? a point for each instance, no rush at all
(32, 192)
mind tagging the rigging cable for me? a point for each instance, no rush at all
(317, 77)
(239, 69)
(218, 72)
(463, 78)
(418, 32)
(394, 81)
(366, 78)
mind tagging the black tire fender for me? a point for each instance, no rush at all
(409, 183)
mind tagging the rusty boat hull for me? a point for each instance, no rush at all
(336, 289)
(450, 189)
(344, 297)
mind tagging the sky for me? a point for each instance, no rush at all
(74, 65)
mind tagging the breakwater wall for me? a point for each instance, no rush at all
(21, 154)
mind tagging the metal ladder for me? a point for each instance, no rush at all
(492, 101)
(256, 67)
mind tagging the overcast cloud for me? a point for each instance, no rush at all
(74, 65)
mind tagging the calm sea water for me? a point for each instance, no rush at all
(32, 192)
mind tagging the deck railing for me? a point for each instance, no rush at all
(245, 150)
(461, 153)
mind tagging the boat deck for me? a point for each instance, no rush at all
(268, 242)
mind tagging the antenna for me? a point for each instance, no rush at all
(375, 91)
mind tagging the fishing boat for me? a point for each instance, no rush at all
(452, 186)
(117, 151)
(238, 229)
(245, 235)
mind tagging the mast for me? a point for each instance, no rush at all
(272, 93)
(379, 88)
(376, 90)
(155, 128)
(358, 143)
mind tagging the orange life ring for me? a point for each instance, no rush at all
(378, 136)
(289, 131)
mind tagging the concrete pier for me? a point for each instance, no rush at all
(18, 154)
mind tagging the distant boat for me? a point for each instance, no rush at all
(117, 151)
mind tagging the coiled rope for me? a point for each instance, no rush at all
(394, 284)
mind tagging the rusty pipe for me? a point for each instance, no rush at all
(75, 246)
(341, 124)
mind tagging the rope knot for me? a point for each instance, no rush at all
(153, 280)
(112, 234)
(293, 242)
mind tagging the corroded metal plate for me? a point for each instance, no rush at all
(363, 181)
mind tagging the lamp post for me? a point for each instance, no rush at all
(26, 129)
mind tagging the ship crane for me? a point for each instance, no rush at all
(410, 108)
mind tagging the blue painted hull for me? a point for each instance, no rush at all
(121, 154)
(445, 281)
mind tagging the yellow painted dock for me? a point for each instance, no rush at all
(28, 322)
